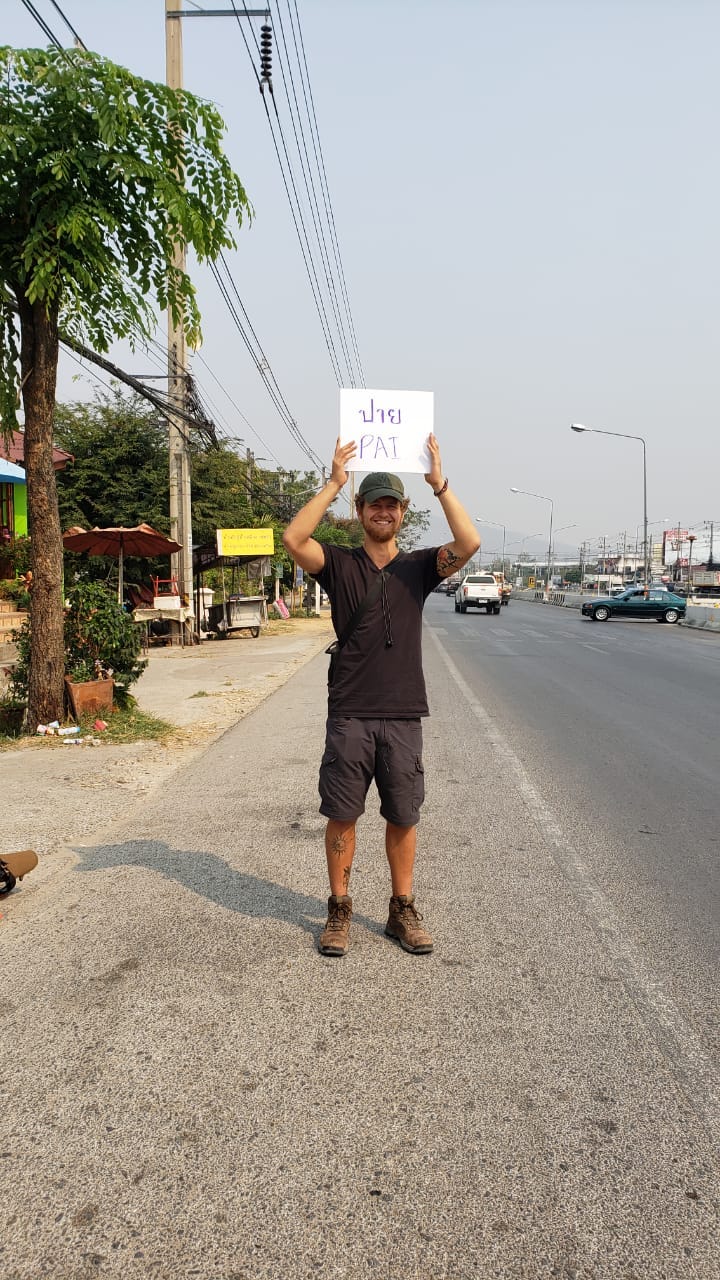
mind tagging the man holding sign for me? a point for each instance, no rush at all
(376, 687)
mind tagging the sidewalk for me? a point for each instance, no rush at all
(54, 795)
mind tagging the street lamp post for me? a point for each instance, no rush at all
(497, 525)
(691, 538)
(622, 435)
(562, 529)
(544, 498)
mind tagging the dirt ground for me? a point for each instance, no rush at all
(56, 795)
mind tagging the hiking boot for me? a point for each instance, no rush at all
(404, 925)
(335, 937)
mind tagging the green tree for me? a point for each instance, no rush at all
(120, 471)
(103, 175)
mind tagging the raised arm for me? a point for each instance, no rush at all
(297, 538)
(453, 555)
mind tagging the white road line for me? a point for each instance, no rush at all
(595, 648)
(672, 1034)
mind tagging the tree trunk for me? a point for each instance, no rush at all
(39, 358)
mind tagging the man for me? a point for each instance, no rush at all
(376, 696)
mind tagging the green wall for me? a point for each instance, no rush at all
(20, 503)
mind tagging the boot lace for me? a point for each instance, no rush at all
(338, 914)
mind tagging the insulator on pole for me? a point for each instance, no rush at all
(266, 56)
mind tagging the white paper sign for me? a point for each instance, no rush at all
(390, 429)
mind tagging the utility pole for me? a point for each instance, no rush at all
(179, 460)
(249, 464)
(179, 456)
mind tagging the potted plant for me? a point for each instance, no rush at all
(12, 714)
(102, 648)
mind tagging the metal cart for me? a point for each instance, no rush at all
(237, 613)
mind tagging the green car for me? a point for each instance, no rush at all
(635, 603)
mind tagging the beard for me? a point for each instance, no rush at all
(383, 533)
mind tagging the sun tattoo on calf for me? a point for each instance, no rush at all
(338, 846)
(446, 561)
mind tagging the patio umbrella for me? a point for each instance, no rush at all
(141, 540)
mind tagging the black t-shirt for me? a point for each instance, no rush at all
(375, 680)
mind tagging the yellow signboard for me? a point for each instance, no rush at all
(245, 542)
(531, 582)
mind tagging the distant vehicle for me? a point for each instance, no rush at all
(706, 582)
(505, 587)
(478, 591)
(658, 603)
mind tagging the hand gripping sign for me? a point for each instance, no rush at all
(390, 429)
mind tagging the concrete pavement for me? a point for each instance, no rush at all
(192, 1091)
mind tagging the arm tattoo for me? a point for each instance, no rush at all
(446, 561)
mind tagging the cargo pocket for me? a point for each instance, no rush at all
(418, 783)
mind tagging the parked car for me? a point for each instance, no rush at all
(478, 591)
(635, 603)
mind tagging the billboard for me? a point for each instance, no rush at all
(676, 546)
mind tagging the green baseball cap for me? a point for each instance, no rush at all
(381, 484)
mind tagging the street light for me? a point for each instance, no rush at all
(622, 435)
(481, 520)
(651, 524)
(562, 529)
(691, 538)
(552, 508)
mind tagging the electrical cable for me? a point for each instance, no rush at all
(320, 160)
(311, 193)
(295, 210)
(262, 364)
(69, 25)
(43, 25)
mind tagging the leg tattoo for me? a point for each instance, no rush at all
(338, 845)
(346, 878)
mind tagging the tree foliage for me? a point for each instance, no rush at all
(104, 176)
(119, 475)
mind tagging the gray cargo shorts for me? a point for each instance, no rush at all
(356, 751)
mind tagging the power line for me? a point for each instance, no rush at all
(315, 134)
(43, 24)
(262, 363)
(311, 193)
(69, 25)
(288, 178)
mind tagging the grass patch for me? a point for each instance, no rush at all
(125, 724)
(201, 693)
(129, 724)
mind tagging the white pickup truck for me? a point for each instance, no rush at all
(478, 591)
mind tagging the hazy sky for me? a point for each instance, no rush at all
(526, 196)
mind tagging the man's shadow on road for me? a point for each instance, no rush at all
(213, 879)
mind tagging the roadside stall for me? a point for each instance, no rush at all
(249, 549)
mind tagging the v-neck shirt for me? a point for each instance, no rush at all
(375, 679)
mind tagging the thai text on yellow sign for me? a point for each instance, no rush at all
(245, 542)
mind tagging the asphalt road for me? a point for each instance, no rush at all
(618, 727)
(192, 1091)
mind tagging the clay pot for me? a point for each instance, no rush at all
(87, 697)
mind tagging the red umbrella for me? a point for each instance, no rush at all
(142, 540)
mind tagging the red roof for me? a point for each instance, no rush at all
(15, 452)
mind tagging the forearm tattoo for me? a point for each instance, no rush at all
(446, 561)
